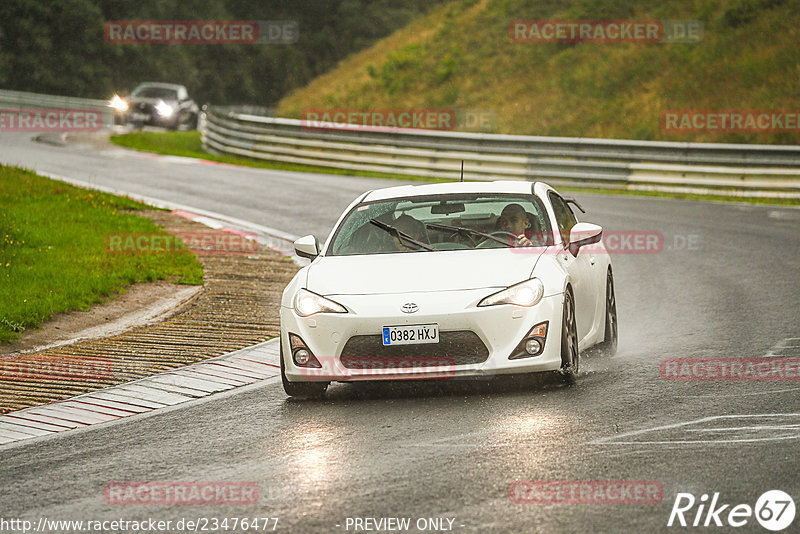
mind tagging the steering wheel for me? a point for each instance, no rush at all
(499, 233)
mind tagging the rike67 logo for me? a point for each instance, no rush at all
(774, 510)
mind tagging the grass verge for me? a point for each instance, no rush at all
(53, 255)
(188, 144)
(459, 56)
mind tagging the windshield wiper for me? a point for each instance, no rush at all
(400, 235)
(462, 230)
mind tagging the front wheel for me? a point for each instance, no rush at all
(312, 390)
(609, 345)
(570, 356)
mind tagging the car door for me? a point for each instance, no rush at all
(580, 268)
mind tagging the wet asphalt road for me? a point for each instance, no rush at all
(725, 285)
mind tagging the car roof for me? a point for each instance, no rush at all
(159, 84)
(448, 188)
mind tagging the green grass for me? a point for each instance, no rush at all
(460, 56)
(188, 144)
(53, 253)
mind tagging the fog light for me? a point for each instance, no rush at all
(301, 357)
(301, 354)
(532, 346)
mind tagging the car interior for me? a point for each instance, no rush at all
(371, 239)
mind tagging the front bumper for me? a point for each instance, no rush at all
(499, 328)
(146, 114)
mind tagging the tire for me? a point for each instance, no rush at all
(313, 390)
(610, 340)
(570, 355)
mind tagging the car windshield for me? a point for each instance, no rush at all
(443, 222)
(149, 91)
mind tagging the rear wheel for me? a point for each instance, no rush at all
(301, 389)
(570, 357)
(609, 345)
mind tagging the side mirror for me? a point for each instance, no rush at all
(583, 234)
(307, 247)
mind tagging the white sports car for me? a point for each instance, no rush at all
(465, 279)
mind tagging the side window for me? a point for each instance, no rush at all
(564, 216)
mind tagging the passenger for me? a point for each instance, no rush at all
(514, 220)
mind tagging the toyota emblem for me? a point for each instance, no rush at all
(409, 307)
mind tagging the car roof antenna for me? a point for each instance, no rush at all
(462, 170)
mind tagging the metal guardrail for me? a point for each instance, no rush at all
(739, 170)
(261, 111)
(20, 99)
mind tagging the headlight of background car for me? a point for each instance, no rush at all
(307, 303)
(118, 103)
(527, 293)
(164, 109)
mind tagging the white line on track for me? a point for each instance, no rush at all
(791, 427)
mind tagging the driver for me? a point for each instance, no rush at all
(514, 220)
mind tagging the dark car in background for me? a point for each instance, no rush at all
(157, 104)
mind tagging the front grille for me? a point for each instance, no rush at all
(460, 347)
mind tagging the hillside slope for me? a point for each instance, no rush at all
(460, 56)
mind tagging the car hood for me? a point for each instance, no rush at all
(421, 271)
(154, 101)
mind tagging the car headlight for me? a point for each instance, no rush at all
(527, 293)
(164, 109)
(307, 303)
(118, 103)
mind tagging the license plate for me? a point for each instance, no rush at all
(411, 334)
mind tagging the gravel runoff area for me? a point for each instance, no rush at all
(238, 307)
